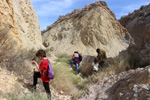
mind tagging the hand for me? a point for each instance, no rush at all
(33, 62)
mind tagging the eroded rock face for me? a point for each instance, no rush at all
(138, 25)
(23, 23)
(131, 85)
(87, 29)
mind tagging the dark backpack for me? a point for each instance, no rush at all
(80, 57)
(50, 70)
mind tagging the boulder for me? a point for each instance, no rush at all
(85, 66)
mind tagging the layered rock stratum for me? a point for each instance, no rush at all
(131, 85)
(85, 30)
(21, 21)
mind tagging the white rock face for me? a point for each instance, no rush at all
(131, 85)
(85, 30)
(23, 21)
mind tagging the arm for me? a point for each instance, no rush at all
(37, 66)
(99, 58)
(72, 57)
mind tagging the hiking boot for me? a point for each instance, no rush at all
(49, 96)
(32, 88)
(77, 72)
(70, 66)
(94, 72)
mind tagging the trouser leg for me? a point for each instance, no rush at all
(101, 64)
(47, 89)
(77, 67)
(71, 62)
(35, 78)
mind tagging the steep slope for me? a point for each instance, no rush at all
(131, 85)
(84, 30)
(138, 25)
(23, 23)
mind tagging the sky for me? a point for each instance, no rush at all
(48, 11)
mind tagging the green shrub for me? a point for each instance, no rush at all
(134, 60)
(142, 7)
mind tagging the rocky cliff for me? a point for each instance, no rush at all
(84, 30)
(138, 25)
(23, 23)
(131, 85)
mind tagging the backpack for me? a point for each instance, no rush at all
(50, 70)
(80, 57)
(104, 54)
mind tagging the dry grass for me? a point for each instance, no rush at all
(6, 47)
(32, 96)
(65, 78)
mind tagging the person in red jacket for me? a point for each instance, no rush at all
(42, 72)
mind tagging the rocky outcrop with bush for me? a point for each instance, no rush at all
(23, 23)
(129, 85)
(85, 30)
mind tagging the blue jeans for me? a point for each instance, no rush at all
(77, 65)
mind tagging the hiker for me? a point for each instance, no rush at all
(42, 72)
(75, 60)
(101, 56)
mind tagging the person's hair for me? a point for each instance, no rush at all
(41, 53)
(75, 51)
(98, 50)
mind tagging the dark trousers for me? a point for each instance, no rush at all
(101, 64)
(45, 84)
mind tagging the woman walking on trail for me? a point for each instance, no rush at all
(42, 72)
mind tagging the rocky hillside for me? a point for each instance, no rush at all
(84, 30)
(13, 83)
(138, 25)
(131, 85)
(23, 23)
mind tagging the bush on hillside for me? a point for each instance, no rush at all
(142, 7)
(6, 47)
(134, 60)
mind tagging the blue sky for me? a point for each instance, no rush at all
(48, 11)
